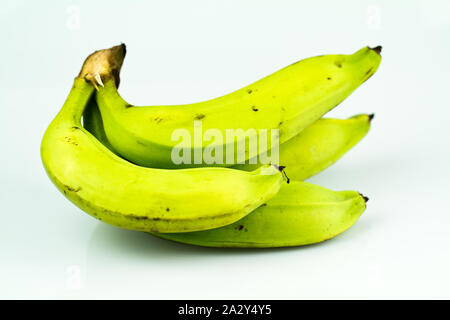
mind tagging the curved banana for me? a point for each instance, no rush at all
(288, 100)
(301, 213)
(318, 146)
(125, 195)
(308, 153)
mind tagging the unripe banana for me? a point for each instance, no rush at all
(125, 195)
(301, 213)
(92, 122)
(318, 146)
(288, 100)
(310, 152)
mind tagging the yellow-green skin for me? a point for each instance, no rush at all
(92, 122)
(318, 146)
(310, 152)
(300, 214)
(288, 100)
(128, 196)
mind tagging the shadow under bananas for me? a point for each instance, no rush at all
(123, 263)
(129, 264)
(114, 240)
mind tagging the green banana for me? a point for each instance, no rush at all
(301, 213)
(318, 146)
(310, 152)
(125, 195)
(92, 122)
(288, 100)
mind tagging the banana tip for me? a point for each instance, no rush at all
(377, 49)
(124, 48)
(283, 172)
(366, 199)
(371, 116)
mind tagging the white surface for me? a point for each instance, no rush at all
(188, 51)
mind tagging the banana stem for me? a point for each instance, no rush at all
(103, 65)
(76, 102)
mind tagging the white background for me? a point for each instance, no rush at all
(188, 51)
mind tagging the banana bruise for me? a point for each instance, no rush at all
(313, 150)
(125, 195)
(288, 100)
(300, 214)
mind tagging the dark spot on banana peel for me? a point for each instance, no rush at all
(135, 217)
(240, 227)
(280, 123)
(368, 71)
(128, 106)
(71, 189)
(70, 141)
(328, 78)
(254, 108)
(158, 119)
(338, 64)
(141, 143)
(76, 128)
(167, 209)
(249, 91)
(199, 116)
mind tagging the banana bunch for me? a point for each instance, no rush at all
(121, 164)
